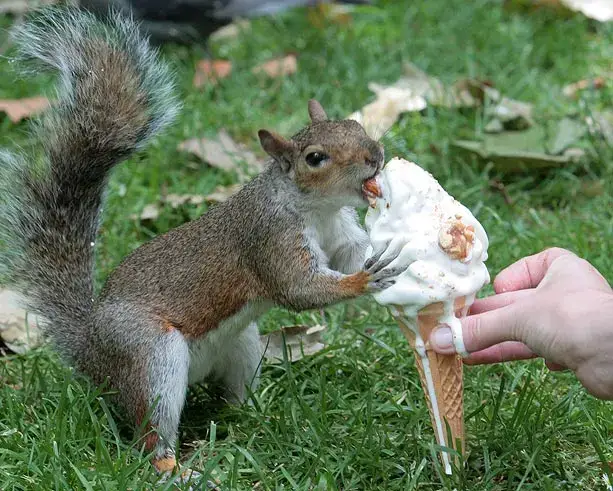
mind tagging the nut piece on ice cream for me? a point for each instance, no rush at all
(371, 189)
(441, 250)
(457, 239)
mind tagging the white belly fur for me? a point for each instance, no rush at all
(209, 355)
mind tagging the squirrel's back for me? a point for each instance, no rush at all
(113, 95)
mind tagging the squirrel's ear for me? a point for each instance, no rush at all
(317, 112)
(276, 146)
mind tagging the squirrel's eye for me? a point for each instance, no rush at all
(315, 159)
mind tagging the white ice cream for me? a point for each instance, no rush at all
(414, 216)
(410, 216)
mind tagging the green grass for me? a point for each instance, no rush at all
(352, 416)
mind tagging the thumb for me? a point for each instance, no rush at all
(483, 330)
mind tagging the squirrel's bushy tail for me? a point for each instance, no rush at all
(113, 95)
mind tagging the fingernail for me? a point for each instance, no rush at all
(442, 338)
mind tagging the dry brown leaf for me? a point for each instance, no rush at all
(465, 93)
(596, 83)
(211, 71)
(413, 92)
(600, 123)
(176, 200)
(18, 109)
(19, 331)
(408, 94)
(231, 31)
(509, 114)
(300, 341)
(150, 212)
(278, 67)
(381, 114)
(329, 13)
(223, 153)
(222, 193)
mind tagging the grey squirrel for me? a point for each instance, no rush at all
(182, 307)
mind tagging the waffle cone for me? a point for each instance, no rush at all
(447, 379)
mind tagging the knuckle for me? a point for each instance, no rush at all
(553, 253)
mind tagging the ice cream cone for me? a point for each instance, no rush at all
(444, 389)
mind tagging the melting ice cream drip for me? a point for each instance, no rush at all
(420, 349)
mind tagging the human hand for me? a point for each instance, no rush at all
(553, 305)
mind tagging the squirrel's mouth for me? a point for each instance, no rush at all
(371, 190)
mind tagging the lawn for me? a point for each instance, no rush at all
(352, 416)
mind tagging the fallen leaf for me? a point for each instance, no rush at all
(510, 114)
(150, 212)
(329, 13)
(601, 123)
(572, 90)
(420, 82)
(19, 331)
(381, 114)
(300, 341)
(176, 200)
(517, 151)
(222, 193)
(567, 132)
(211, 71)
(278, 67)
(413, 92)
(231, 31)
(494, 126)
(464, 93)
(223, 153)
(18, 109)
(600, 10)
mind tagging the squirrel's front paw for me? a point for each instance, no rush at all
(382, 278)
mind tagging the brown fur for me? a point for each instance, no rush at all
(356, 284)
(164, 464)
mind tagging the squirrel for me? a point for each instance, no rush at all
(182, 307)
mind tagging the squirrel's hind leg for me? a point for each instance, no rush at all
(165, 392)
(146, 361)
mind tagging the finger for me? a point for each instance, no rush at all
(528, 272)
(498, 301)
(508, 351)
(555, 367)
(481, 331)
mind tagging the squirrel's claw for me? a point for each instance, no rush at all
(382, 279)
(376, 263)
